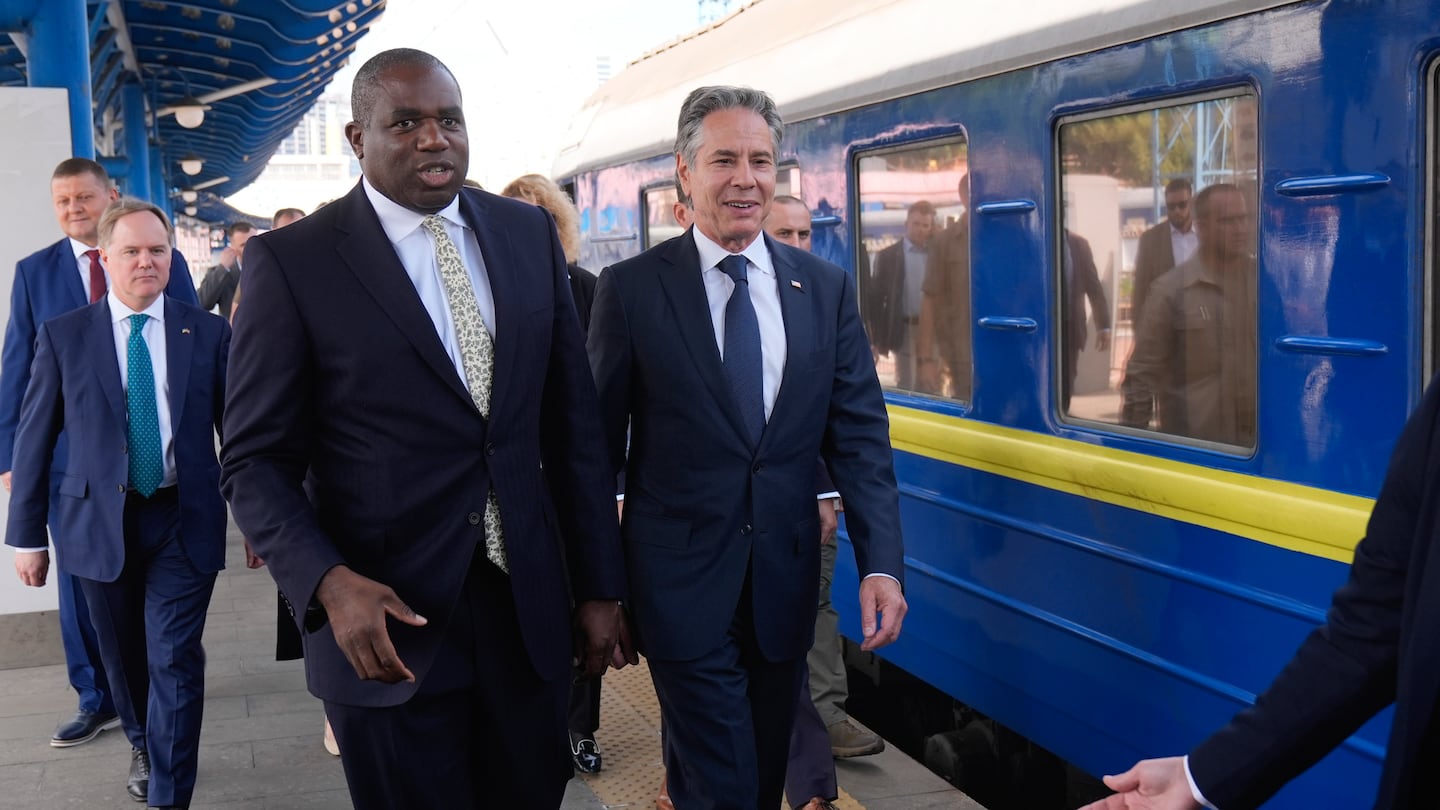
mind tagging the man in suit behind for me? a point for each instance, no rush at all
(65, 276)
(1082, 280)
(137, 380)
(1165, 244)
(897, 297)
(222, 283)
(729, 400)
(1376, 648)
(421, 363)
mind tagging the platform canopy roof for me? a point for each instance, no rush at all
(258, 64)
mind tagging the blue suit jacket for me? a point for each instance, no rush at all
(46, 285)
(701, 506)
(76, 387)
(338, 371)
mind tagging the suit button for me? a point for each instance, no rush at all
(745, 529)
(757, 468)
(119, 487)
(489, 448)
(474, 518)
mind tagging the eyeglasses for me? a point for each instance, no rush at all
(1177, 206)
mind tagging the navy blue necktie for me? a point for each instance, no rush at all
(743, 363)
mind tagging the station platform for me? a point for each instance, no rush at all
(261, 744)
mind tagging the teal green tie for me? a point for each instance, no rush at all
(147, 469)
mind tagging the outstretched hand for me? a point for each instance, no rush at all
(357, 607)
(1152, 784)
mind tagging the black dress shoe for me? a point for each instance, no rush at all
(138, 786)
(584, 752)
(82, 728)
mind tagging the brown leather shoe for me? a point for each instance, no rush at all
(662, 801)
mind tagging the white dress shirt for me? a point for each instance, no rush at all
(764, 295)
(1183, 244)
(82, 263)
(154, 333)
(416, 249)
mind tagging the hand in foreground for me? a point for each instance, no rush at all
(601, 636)
(357, 607)
(1153, 784)
(252, 560)
(32, 566)
(829, 524)
(880, 595)
(5, 479)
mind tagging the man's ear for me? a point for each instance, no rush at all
(356, 136)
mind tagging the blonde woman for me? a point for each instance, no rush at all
(542, 191)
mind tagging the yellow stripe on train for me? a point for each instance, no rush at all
(1300, 518)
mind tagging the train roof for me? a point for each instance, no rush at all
(817, 58)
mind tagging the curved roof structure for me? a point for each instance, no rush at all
(259, 64)
(818, 58)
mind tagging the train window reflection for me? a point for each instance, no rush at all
(660, 222)
(1157, 272)
(914, 266)
(787, 180)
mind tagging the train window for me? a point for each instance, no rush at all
(914, 266)
(787, 180)
(1156, 269)
(660, 221)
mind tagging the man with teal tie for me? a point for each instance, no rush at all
(136, 381)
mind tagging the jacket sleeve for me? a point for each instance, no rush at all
(41, 418)
(15, 364)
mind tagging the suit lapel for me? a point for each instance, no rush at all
(179, 351)
(370, 256)
(796, 309)
(64, 262)
(503, 270)
(100, 347)
(684, 284)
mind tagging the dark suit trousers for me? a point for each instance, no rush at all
(149, 623)
(482, 731)
(810, 771)
(83, 662)
(727, 717)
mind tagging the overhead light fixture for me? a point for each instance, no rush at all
(190, 112)
(191, 164)
(190, 210)
(189, 195)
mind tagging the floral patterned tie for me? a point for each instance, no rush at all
(477, 357)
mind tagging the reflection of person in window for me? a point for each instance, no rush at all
(1195, 341)
(943, 345)
(1081, 280)
(899, 275)
(1164, 245)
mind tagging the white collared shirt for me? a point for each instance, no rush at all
(154, 333)
(1183, 244)
(764, 295)
(416, 249)
(82, 263)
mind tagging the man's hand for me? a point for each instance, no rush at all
(5, 479)
(880, 595)
(601, 637)
(32, 566)
(829, 524)
(357, 608)
(1102, 340)
(252, 560)
(1153, 784)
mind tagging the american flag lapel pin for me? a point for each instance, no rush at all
(796, 285)
(185, 330)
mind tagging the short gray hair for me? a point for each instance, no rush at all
(705, 100)
(126, 206)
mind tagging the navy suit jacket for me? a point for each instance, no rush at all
(1377, 647)
(47, 284)
(76, 387)
(701, 506)
(338, 371)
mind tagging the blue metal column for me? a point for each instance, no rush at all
(162, 191)
(57, 54)
(137, 140)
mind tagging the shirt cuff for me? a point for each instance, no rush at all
(1194, 788)
(880, 574)
(825, 496)
(19, 550)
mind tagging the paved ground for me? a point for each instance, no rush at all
(261, 749)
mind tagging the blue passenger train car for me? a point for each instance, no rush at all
(1110, 586)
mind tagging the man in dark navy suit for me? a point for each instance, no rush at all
(1377, 648)
(65, 276)
(137, 382)
(734, 362)
(421, 363)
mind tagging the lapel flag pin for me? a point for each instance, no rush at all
(795, 284)
(185, 331)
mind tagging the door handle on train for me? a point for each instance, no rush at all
(1005, 323)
